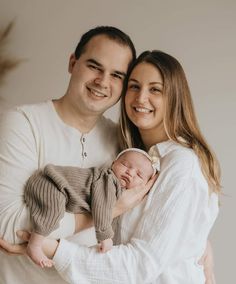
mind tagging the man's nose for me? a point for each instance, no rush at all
(102, 80)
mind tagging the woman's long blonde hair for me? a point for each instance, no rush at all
(179, 118)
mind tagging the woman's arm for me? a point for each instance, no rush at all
(157, 241)
(50, 246)
(169, 220)
(207, 260)
(128, 200)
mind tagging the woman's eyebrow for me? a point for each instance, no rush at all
(133, 80)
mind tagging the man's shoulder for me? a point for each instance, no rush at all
(107, 123)
(23, 117)
(34, 109)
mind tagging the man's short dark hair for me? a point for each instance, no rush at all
(111, 32)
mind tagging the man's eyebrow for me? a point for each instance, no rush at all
(123, 74)
(94, 62)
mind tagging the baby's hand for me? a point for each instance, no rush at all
(105, 245)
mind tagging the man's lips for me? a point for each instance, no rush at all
(96, 92)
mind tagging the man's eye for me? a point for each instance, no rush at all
(117, 76)
(94, 67)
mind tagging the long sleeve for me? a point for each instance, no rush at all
(175, 214)
(103, 197)
(19, 158)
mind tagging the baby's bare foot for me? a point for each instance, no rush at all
(38, 257)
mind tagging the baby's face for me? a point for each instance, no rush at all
(132, 169)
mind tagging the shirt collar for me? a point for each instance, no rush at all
(161, 149)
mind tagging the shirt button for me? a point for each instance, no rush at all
(83, 139)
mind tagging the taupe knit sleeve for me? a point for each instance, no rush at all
(104, 194)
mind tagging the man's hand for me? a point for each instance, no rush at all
(19, 249)
(132, 197)
(49, 245)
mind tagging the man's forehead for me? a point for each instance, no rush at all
(106, 51)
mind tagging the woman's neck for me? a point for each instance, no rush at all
(152, 137)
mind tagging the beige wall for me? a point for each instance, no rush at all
(201, 34)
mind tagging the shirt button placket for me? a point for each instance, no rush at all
(84, 153)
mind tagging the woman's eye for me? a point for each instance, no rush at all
(156, 90)
(133, 87)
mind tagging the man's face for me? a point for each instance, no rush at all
(97, 76)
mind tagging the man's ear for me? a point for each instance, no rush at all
(71, 63)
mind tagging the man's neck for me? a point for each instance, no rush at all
(72, 117)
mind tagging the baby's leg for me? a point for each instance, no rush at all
(35, 252)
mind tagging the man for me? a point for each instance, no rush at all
(68, 131)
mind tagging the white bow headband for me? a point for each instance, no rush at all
(154, 160)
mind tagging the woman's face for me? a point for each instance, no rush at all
(144, 98)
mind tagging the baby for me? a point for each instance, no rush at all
(56, 189)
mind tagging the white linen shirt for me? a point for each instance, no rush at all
(32, 136)
(163, 238)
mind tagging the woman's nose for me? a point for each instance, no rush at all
(142, 96)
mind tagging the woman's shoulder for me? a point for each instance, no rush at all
(179, 160)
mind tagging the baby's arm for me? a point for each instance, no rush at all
(103, 199)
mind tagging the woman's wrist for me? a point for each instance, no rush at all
(50, 247)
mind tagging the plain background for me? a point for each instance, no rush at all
(201, 34)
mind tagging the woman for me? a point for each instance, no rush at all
(164, 236)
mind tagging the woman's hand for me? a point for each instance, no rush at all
(207, 260)
(132, 197)
(49, 245)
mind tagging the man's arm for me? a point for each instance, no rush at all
(18, 159)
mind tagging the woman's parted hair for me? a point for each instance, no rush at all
(179, 117)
